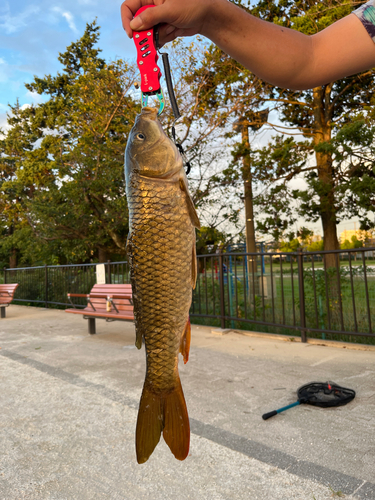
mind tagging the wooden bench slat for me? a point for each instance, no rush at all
(121, 299)
(103, 307)
(111, 295)
(113, 288)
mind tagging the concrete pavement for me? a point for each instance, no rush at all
(69, 405)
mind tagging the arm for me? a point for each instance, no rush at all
(281, 56)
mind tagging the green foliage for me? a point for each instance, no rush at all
(209, 239)
(62, 186)
(62, 190)
(315, 246)
(290, 246)
(327, 139)
(354, 243)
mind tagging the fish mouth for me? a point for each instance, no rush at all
(148, 110)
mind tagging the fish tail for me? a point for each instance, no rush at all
(165, 413)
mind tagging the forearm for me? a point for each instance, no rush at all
(278, 55)
(281, 56)
(287, 58)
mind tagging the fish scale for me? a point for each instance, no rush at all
(168, 268)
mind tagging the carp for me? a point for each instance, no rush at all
(163, 270)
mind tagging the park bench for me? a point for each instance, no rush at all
(6, 296)
(109, 302)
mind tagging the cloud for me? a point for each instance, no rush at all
(4, 71)
(68, 17)
(10, 24)
(34, 97)
(3, 122)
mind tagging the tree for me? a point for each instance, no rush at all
(353, 243)
(66, 154)
(207, 109)
(67, 168)
(209, 240)
(334, 157)
(291, 245)
(325, 135)
(231, 94)
(13, 146)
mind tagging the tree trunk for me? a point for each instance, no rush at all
(249, 213)
(13, 258)
(323, 111)
(103, 255)
(322, 133)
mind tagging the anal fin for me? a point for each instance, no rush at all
(185, 342)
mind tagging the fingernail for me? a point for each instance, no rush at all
(136, 23)
(169, 30)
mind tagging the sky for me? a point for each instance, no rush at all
(32, 33)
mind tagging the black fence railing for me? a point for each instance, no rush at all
(49, 285)
(328, 295)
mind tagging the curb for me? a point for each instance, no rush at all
(291, 338)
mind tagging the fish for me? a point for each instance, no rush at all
(163, 270)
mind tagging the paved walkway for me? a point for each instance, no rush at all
(69, 405)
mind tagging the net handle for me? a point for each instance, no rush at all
(266, 416)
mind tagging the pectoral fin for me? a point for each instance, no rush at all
(191, 208)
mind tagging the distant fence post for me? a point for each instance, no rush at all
(221, 281)
(5, 275)
(46, 286)
(301, 296)
(109, 271)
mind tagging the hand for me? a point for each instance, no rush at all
(176, 17)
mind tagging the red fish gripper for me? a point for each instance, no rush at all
(147, 58)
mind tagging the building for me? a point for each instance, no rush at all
(347, 234)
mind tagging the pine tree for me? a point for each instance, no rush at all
(68, 172)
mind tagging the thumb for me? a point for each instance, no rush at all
(149, 18)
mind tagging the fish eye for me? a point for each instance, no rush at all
(141, 136)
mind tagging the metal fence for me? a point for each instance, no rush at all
(327, 295)
(49, 285)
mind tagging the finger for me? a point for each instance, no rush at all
(151, 17)
(128, 10)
